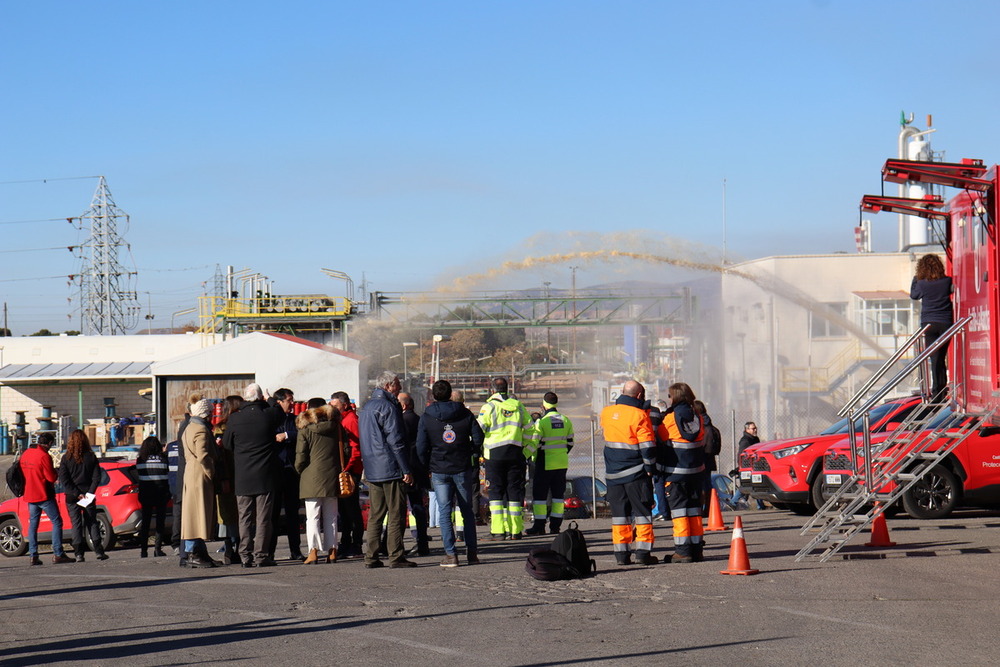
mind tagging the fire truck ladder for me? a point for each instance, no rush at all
(899, 462)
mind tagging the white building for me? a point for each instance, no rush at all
(800, 333)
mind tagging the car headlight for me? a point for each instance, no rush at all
(789, 451)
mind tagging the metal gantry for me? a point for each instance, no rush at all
(443, 311)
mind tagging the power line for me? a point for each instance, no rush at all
(47, 180)
(71, 248)
(16, 280)
(22, 222)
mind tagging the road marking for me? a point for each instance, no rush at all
(831, 619)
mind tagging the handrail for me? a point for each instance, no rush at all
(883, 370)
(943, 340)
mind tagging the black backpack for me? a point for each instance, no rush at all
(571, 544)
(547, 565)
(713, 441)
(15, 478)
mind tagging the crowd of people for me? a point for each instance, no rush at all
(241, 476)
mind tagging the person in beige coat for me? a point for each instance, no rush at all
(198, 506)
(317, 460)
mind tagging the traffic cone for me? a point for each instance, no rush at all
(880, 533)
(739, 561)
(715, 521)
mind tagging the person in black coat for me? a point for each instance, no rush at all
(416, 493)
(933, 289)
(250, 437)
(287, 481)
(748, 438)
(80, 474)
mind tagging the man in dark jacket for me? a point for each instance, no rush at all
(748, 438)
(387, 469)
(416, 493)
(449, 444)
(250, 436)
(287, 482)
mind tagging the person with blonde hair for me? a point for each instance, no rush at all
(318, 451)
(198, 511)
(80, 475)
(933, 289)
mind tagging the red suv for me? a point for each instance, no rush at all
(787, 473)
(968, 476)
(118, 511)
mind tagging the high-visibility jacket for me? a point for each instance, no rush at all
(629, 441)
(506, 426)
(553, 438)
(680, 453)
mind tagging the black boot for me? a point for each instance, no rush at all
(555, 525)
(643, 557)
(538, 528)
(157, 548)
(623, 557)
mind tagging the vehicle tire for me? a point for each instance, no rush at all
(818, 494)
(107, 533)
(12, 541)
(934, 496)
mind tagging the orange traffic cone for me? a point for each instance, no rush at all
(739, 561)
(715, 521)
(880, 533)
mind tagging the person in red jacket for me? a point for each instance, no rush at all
(351, 522)
(40, 494)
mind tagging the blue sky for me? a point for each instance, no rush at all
(407, 143)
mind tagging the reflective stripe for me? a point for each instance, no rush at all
(504, 443)
(679, 471)
(554, 438)
(682, 539)
(643, 519)
(625, 473)
(683, 444)
(621, 521)
(620, 445)
(621, 546)
(683, 512)
(562, 446)
(643, 546)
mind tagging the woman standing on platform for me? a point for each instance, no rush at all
(933, 289)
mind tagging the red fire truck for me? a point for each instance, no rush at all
(969, 226)
(931, 468)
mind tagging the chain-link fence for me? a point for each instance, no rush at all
(587, 457)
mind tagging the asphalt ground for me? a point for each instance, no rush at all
(932, 599)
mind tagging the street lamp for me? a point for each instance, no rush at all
(405, 369)
(475, 369)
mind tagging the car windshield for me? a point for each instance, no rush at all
(876, 415)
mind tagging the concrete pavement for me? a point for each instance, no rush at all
(931, 601)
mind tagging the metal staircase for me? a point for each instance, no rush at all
(887, 470)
